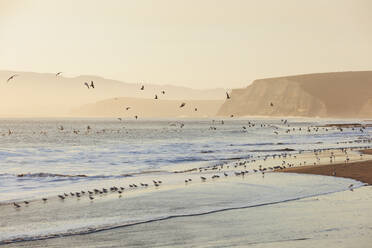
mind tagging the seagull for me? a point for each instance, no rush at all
(92, 84)
(86, 84)
(227, 95)
(12, 77)
(182, 105)
(91, 198)
(143, 87)
(58, 73)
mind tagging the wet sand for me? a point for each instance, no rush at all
(361, 171)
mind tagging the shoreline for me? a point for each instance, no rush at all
(357, 170)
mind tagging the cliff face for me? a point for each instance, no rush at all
(338, 95)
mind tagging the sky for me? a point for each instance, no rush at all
(193, 43)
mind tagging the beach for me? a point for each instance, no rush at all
(220, 189)
(358, 170)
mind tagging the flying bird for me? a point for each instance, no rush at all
(92, 84)
(182, 105)
(12, 77)
(86, 84)
(227, 95)
(58, 73)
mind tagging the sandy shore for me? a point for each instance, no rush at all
(361, 171)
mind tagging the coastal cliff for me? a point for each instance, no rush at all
(334, 95)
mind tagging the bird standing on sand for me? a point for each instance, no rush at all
(12, 77)
(16, 205)
(127, 108)
(58, 73)
(227, 95)
(272, 104)
(143, 87)
(92, 84)
(182, 105)
(163, 92)
(156, 97)
(86, 84)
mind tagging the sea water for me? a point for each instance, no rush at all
(43, 158)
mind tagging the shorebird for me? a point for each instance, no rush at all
(91, 198)
(26, 202)
(44, 199)
(227, 95)
(182, 105)
(86, 84)
(156, 96)
(58, 73)
(203, 178)
(272, 104)
(92, 84)
(61, 197)
(16, 205)
(163, 92)
(142, 87)
(127, 108)
(12, 77)
(196, 109)
(136, 116)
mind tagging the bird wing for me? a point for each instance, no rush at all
(10, 78)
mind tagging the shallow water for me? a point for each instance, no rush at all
(111, 149)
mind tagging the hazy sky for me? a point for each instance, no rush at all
(196, 43)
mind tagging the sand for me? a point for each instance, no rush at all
(361, 171)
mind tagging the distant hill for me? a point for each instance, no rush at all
(336, 94)
(148, 108)
(45, 94)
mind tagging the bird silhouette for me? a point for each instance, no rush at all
(196, 109)
(163, 92)
(127, 108)
(182, 105)
(86, 84)
(227, 95)
(142, 87)
(58, 73)
(92, 84)
(12, 77)
(156, 97)
(272, 104)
